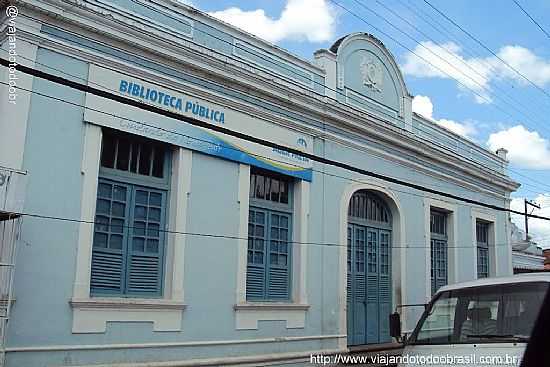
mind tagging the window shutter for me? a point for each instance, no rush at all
(384, 293)
(439, 263)
(360, 302)
(146, 242)
(255, 272)
(278, 280)
(349, 285)
(373, 265)
(108, 251)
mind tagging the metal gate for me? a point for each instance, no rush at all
(12, 193)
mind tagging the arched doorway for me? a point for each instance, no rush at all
(369, 281)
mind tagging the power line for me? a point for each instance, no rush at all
(313, 80)
(487, 48)
(409, 245)
(246, 137)
(231, 147)
(453, 55)
(230, 237)
(422, 58)
(357, 16)
(294, 72)
(532, 19)
(478, 163)
(256, 155)
(484, 164)
(250, 153)
(440, 28)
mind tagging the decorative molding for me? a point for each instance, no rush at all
(247, 315)
(300, 235)
(452, 236)
(371, 70)
(126, 303)
(239, 50)
(179, 198)
(230, 70)
(398, 265)
(368, 128)
(89, 171)
(280, 311)
(87, 318)
(242, 244)
(247, 360)
(54, 348)
(478, 213)
(263, 306)
(361, 101)
(379, 45)
(90, 315)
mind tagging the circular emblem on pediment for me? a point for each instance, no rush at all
(371, 70)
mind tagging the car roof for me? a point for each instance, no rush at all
(519, 278)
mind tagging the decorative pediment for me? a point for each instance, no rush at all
(367, 70)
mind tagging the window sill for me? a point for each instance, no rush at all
(91, 315)
(271, 306)
(248, 314)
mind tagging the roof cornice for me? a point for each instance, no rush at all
(262, 84)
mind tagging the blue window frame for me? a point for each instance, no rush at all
(438, 249)
(482, 239)
(129, 233)
(268, 273)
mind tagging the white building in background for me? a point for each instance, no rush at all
(527, 256)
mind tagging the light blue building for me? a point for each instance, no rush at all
(156, 241)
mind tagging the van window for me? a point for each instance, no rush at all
(492, 313)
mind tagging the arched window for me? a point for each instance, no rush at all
(370, 207)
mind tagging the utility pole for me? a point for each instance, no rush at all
(528, 202)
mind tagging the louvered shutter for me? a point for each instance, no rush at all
(108, 250)
(360, 288)
(442, 264)
(372, 286)
(439, 264)
(384, 293)
(278, 277)
(349, 285)
(256, 264)
(146, 242)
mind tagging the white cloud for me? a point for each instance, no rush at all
(539, 229)
(526, 62)
(525, 148)
(476, 74)
(424, 106)
(466, 129)
(444, 61)
(309, 20)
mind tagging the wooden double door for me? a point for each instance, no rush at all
(368, 284)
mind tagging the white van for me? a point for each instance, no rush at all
(485, 322)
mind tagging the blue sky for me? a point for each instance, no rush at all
(495, 105)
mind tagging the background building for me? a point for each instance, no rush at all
(159, 241)
(527, 256)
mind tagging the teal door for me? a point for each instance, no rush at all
(369, 280)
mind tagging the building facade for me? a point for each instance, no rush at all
(148, 239)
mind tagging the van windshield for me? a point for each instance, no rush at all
(485, 314)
